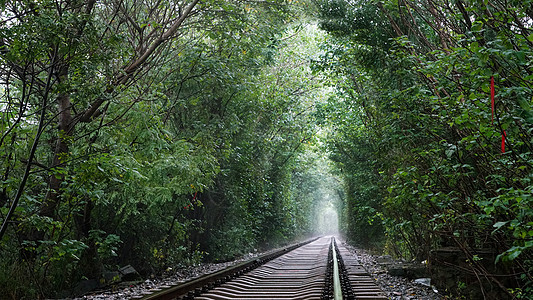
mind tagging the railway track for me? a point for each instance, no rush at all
(318, 269)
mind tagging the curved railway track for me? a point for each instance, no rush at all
(317, 269)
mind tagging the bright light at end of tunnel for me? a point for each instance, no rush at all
(327, 220)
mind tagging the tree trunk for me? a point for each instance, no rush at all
(61, 150)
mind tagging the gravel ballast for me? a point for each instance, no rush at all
(396, 288)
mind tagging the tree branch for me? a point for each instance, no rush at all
(87, 115)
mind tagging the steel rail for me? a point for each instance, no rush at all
(314, 270)
(299, 274)
(206, 282)
(355, 281)
(337, 290)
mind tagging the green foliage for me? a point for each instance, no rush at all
(253, 187)
(154, 159)
(413, 115)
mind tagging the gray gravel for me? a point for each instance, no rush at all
(128, 290)
(396, 288)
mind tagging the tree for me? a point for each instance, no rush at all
(453, 170)
(138, 112)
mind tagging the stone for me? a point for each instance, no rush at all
(408, 270)
(129, 273)
(384, 259)
(424, 281)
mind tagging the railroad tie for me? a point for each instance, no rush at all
(297, 275)
(318, 269)
(360, 284)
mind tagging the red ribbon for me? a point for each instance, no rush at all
(503, 141)
(492, 97)
(504, 134)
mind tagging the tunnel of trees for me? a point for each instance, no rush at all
(160, 133)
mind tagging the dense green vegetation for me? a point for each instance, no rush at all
(427, 162)
(151, 133)
(164, 133)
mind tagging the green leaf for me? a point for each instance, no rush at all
(498, 225)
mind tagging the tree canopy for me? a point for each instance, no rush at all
(433, 129)
(160, 133)
(151, 133)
